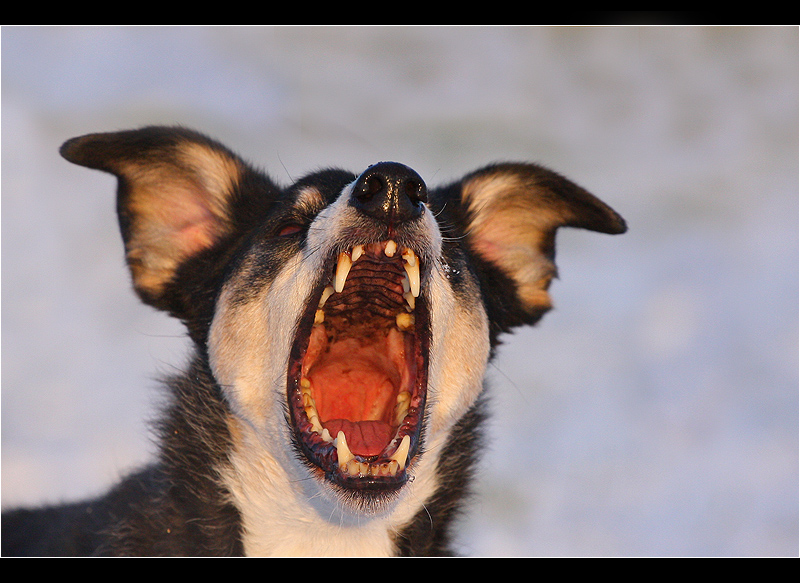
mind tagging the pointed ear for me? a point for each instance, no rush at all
(511, 213)
(175, 196)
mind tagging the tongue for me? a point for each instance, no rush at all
(365, 438)
(355, 389)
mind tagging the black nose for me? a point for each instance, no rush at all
(390, 192)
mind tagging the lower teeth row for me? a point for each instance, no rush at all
(348, 464)
(345, 458)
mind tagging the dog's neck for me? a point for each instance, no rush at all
(287, 513)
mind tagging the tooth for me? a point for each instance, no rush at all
(391, 247)
(319, 317)
(409, 297)
(357, 252)
(309, 406)
(404, 321)
(326, 435)
(401, 409)
(401, 455)
(391, 468)
(343, 453)
(342, 269)
(412, 270)
(326, 293)
(316, 426)
(409, 256)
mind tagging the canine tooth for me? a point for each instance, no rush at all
(390, 249)
(326, 293)
(412, 270)
(342, 269)
(343, 453)
(319, 317)
(401, 455)
(404, 321)
(357, 252)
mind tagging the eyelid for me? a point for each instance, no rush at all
(302, 214)
(289, 229)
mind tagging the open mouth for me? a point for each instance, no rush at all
(357, 377)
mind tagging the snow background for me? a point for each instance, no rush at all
(654, 412)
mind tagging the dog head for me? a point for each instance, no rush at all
(348, 318)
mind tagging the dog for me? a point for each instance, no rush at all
(341, 328)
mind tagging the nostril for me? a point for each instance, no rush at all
(416, 191)
(374, 185)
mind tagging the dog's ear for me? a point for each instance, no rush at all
(177, 198)
(509, 214)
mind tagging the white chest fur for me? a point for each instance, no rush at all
(286, 513)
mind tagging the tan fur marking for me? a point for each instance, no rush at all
(309, 196)
(178, 211)
(512, 235)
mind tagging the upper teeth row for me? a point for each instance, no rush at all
(411, 282)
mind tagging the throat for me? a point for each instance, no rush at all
(360, 384)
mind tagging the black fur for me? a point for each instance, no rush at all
(173, 508)
(430, 533)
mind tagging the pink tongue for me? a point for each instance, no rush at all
(363, 437)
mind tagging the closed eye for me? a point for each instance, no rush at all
(289, 230)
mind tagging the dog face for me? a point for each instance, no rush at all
(361, 326)
(347, 319)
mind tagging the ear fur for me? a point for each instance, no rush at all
(509, 214)
(177, 191)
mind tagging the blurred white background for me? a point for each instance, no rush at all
(653, 412)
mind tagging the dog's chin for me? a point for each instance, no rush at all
(357, 378)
